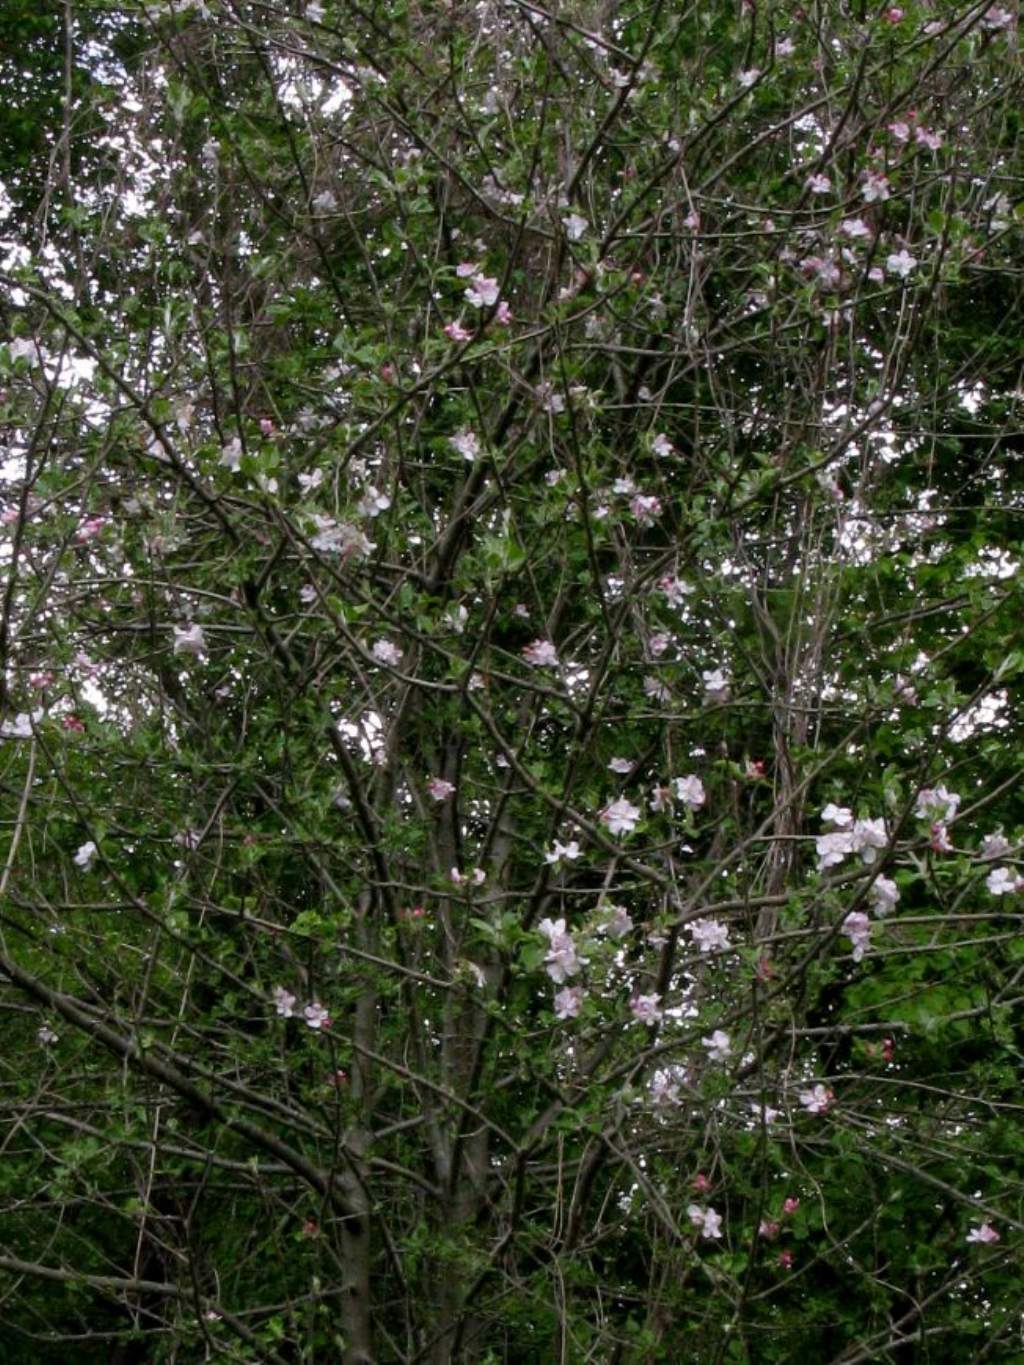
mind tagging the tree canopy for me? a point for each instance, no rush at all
(512, 841)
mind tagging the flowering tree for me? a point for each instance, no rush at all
(510, 646)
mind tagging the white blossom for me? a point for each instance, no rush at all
(86, 856)
(718, 1045)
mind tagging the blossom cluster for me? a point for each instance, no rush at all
(316, 1016)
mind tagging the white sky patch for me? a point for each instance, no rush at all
(368, 734)
(988, 713)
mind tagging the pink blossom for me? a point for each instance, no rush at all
(768, 1229)
(465, 270)
(866, 837)
(709, 1222)
(984, 1233)
(503, 314)
(823, 269)
(541, 654)
(664, 1086)
(940, 840)
(875, 187)
(657, 644)
(994, 845)
(646, 1009)
(73, 724)
(709, 935)
(645, 508)
(764, 1113)
(924, 137)
(561, 960)
(690, 791)
(386, 653)
(476, 878)
(316, 1016)
(884, 896)
(466, 443)
(900, 263)
(661, 445)
(619, 922)
(563, 852)
(90, 529)
(568, 1002)
(900, 131)
(482, 292)
(790, 1204)
(333, 537)
(996, 18)
(373, 502)
(455, 331)
(832, 848)
(786, 1260)
(817, 1100)
(936, 804)
(439, 789)
(1002, 881)
(819, 184)
(620, 817)
(676, 590)
(284, 1002)
(718, 1045)
(854, 228)
(549, 398)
